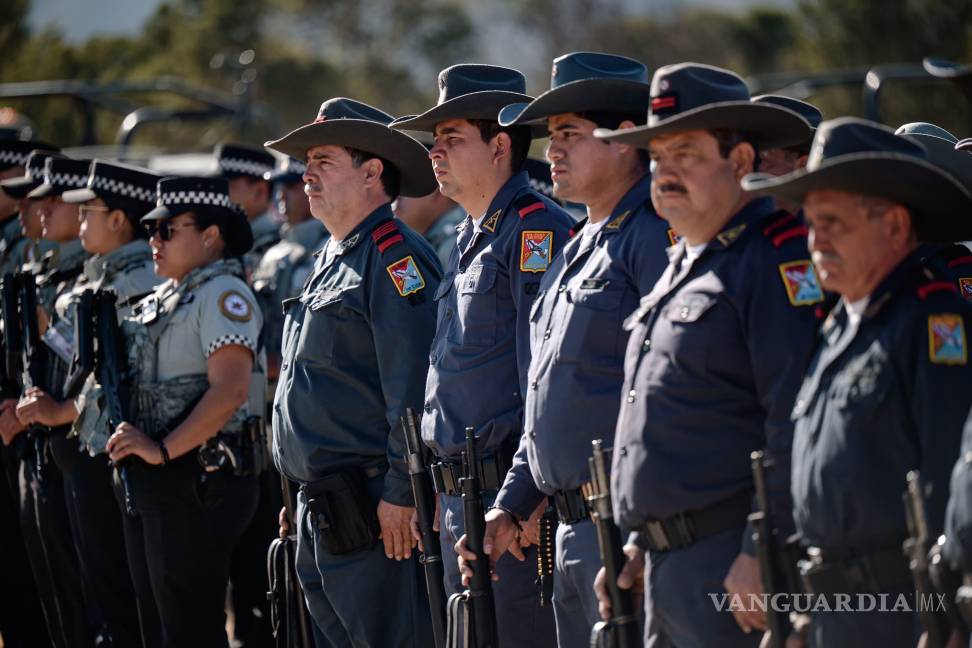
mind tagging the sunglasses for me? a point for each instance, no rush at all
(163, 228)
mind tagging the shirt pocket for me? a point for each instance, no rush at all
(327, 311)
(476, 307)
(592, 331)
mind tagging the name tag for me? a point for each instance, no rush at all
(60, 339)
(594, 284)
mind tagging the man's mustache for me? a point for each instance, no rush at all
(671, 186)
(823, 257)
(311, 187)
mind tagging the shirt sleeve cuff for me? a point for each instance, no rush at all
(397, 491)
(519, 498)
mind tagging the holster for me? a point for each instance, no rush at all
(244, 452)
(346, 516)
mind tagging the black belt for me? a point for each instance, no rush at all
(683, 529)
(492, 468)
(571, 505)
(370, 471)
(866, 572)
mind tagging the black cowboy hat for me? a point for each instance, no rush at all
(940, 145)
(346, 122)
(472, 91)
(689, 96)
(61, 174)
(806, 110)
(858, 156)
(33, 176)
(585, 81)
(945, 69)
(117, 184)
(178, 195)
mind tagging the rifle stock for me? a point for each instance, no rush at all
(916, 548)
(83, 362)
(768, 550)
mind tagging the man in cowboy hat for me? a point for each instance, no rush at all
(715, 354)
(888, 389)
(577, 342)
(478, 376)
(356, 347)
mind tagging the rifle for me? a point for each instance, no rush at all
(431, 557)
(12, 342)
(285, 591)
(472, 613)
(82, 364)
(111, 368)
(33, 368)
(916, 548)
(768, 550)
(622, 630)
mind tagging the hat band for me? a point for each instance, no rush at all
(195, 198)
(123, 189)
(66, 180)
(249, 167)
(13, 157)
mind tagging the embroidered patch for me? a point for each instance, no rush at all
(406, 275)
(802, 285)
(535, 250)
(965, 287)
(673, 236)
(234, 306)
(490, 223)
(616, 223)
(946, 339)
(730, 235)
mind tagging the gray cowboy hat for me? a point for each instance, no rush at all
(585, 81)
(346, 122)
(859, 156)
(689, 96)
(941, 147)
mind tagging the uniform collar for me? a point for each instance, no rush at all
(624, 211)
(903, 274)
(108, 264)
(381, 214)
(751, 212)
(516, 183)
(69, 254)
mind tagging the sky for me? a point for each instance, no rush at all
(81, 19)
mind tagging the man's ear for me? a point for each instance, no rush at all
(743, 159)
(502, 147)
(116, 220)
(373, 171)
(899, 219)
(801, 162)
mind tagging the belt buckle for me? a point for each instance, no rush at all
(685, 529)
(656, 531)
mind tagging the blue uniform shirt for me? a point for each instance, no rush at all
(577, 347)
(882, 397)
(715, 357)
(481, 348)
(355, 354)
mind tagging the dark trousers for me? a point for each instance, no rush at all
(884, 628)
(179, 547)
(361, 599)
(249, 585)
(96, 527)
(22, 621)
(53, 557)
(520, 619)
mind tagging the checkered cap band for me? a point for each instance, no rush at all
(124, 189)
(248, 167)
(13, 158)
(194, 198)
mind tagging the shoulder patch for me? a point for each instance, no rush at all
(386, 235)
(673, 236)
(490, 223)
(535, 250)
(618, 221)
(406, 276)
(965, 288)
(801, 283)
(946, 339)
(235, 306)
(527, 204)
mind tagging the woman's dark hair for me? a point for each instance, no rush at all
(133, 213)
(234, 229)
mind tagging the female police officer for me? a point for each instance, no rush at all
(115, 198)
(192, 343)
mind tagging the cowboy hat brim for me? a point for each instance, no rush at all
(409, 156)
(775, 126)
(935, 196)
(597, 94)
(485, 104)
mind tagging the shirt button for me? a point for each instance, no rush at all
(562, 288)
(284, 366)
(647, 345)
(533, 385)
(449, 314)
(428, 408)
(533, 435)
(462, 269)
(631, 396)
(800, 403)
(546, 334)
(684, 312)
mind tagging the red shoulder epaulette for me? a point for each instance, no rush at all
(386, 235)
(935, 286)
(783, 228)
(527, 204)
(962, 260)
(778, 223)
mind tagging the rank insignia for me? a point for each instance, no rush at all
(234, 306)
(965, 288)
(616, 223)
(490, 223)
(673, 236)
(406, 275)
(802, 285)
(946, 339)
(535, 250)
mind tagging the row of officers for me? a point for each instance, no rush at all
(747, 277)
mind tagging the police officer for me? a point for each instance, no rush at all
(244, 167)
(715, 355)
(110, 206)
(28, 246)
(575, 373)
(481, 350)
(355, 355)
(889, 387)
(14, 155)
(192, 343)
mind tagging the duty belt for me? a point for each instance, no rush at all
(683, 529)
(492, 468)
(571, 504)
(845, 571)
